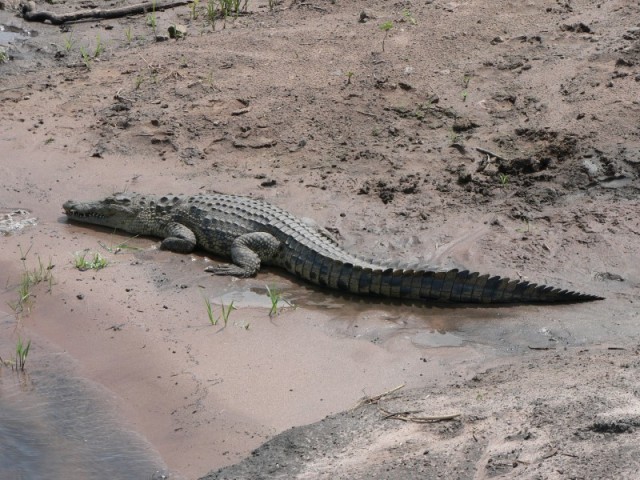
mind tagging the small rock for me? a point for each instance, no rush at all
(464, 175)
(258, 142)
(364, 17)
(269, 183)
(162, 38)
(80, 296)
(609, 276)
(497, 40)
(177, 31)
(242, 111)
(576, 27)
(621, 62)
(462, 124)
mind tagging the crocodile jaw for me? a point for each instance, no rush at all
(117, 211)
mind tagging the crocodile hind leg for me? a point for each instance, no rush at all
(247, 251)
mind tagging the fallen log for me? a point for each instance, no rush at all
(29, 13)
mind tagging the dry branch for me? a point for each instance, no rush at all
(411, 417)
(376, 398)
(29, 13)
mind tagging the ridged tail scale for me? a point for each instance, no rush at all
(419, 284)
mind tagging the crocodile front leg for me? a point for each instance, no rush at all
(178, 238)
(247, 251)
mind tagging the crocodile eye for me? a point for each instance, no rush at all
(122, 199)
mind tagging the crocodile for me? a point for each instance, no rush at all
(254, 233)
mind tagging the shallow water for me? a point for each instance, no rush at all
(55, 425)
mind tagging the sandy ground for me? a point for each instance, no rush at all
(301, 107)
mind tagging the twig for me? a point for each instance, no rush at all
(12, 88)
(410, 417)
(367, 114)
(145, 61)
(490, 153)
(306, 4)
(376, 398)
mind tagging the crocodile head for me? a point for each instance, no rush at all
(121, 210)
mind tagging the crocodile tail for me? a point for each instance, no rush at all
(453, 285)
(464, 286)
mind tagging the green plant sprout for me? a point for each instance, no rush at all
(409, 17)
(194, 9)
(128, 34)
(152, 20)
(86, 59)
(456, 138)
(226, 311)
(385, 27)
(99, 47)
(349, 76)
(276, 297)
(22, 352)
(98, 262)
(212, 319)
(465, 81)
(504, 179)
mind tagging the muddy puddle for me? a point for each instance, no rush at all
(54, 424)
(12, 34)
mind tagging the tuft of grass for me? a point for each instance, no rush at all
(97, 262)
(226, 312)
(212, 13)
(99, 47)
(69, 42)
(29, 279)
(86, 59)
(276, 297)
(385, 27)
(22, 352)
(194, 9)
